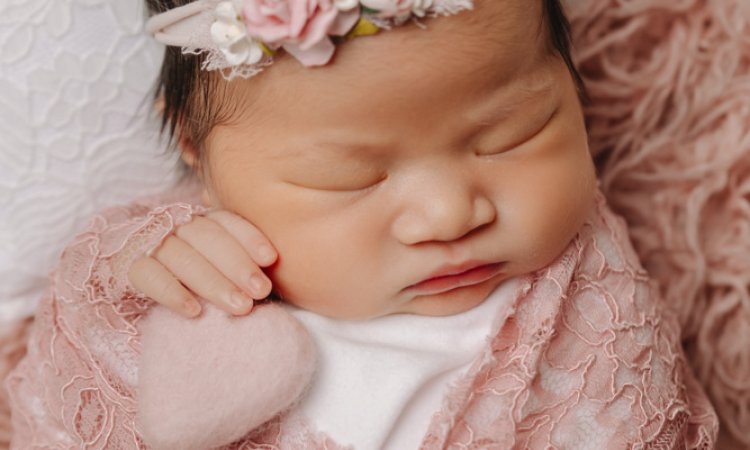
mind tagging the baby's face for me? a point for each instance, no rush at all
(415, 173)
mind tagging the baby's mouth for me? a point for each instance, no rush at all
(453, 277)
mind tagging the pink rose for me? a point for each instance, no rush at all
(301, 27)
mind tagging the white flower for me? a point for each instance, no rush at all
(345, 5)
(420, 7)
(229, 33)
(399, 9)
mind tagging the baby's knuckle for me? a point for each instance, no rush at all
(191, 227)
(158, 279)
(141, 274)
(189, 262)
(162, 291)
(171, 244)
(219, 214)
(216, 287)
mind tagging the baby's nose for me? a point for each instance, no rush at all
(443, 214)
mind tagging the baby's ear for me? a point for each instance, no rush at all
(188, 150)
(188, 153)
(160, 104)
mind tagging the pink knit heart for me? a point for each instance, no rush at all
(207, 382)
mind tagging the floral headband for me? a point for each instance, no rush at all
(241, 37)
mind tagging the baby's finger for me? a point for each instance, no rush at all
(251, 239)
(223, 251)
(152, 279)
(201, 277)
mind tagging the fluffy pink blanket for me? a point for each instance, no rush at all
(670, 125)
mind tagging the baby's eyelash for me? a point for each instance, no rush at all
(342, 189)
(496, 150)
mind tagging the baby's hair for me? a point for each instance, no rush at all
(195, 100)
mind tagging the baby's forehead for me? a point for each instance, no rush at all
(496, 33)
(407, 81)
(473, 50)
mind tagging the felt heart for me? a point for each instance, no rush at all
(207, 382)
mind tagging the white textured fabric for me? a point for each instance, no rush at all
(379, 382)
(75, 82)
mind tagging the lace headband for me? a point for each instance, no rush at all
(240, 37)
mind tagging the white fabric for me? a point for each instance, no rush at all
(75, 81)
(380, 381)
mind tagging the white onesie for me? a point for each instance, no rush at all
(380, 381)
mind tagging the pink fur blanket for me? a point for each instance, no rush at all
(669, 122)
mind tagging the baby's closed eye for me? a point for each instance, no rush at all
(335, 176)
(515, 131)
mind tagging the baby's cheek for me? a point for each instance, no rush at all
(318, 271)
(553, 213)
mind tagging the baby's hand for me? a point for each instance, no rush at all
(217, 256)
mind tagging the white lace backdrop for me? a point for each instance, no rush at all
(75, 136)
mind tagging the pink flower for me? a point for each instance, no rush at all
(301, 27)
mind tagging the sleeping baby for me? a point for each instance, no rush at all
(393, 239)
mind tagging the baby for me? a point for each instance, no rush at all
(423, 203)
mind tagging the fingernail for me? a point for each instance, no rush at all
(238, 300)
(266, 254)
(257, 284)
(191, 308)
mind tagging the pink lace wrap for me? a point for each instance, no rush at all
(587, 359)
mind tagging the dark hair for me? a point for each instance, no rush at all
(193, 98)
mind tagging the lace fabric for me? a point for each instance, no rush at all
(599, 368)
(587, 359)
(13, 338)
(82, 355)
